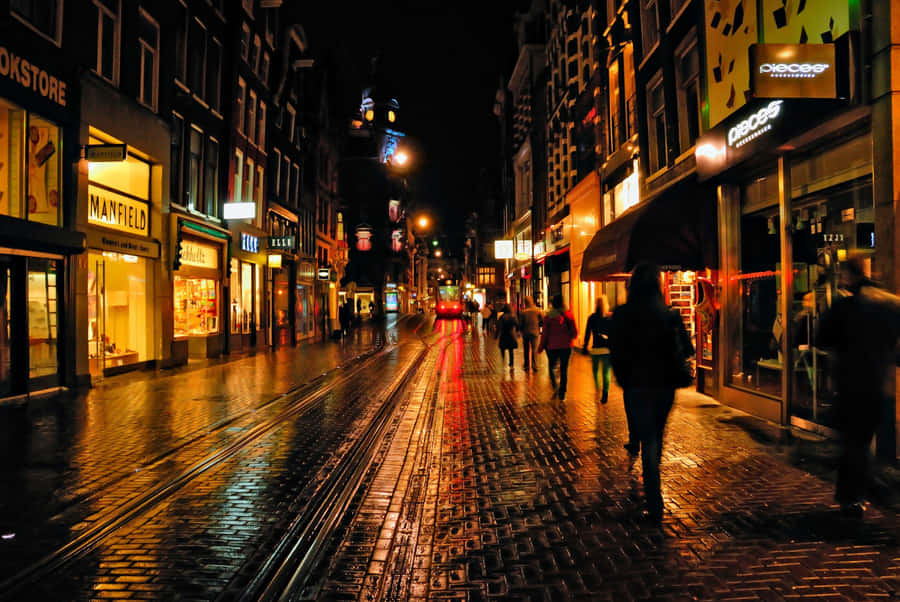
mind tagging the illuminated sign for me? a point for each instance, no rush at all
(199, 255)
(239, 210)
(540, 247)
(391, 302)
(503, 249)
(793, 71)
(104, 153)
(754, 126)
(274, 261)
(118, 212)
(281, 242)
(324, 273)
(523, 249)
(249, 243)
(31, 77)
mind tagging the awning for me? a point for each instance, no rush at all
(38, 237)
(676, 230)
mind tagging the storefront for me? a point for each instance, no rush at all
(198, 283)
(38, 140)
(121, 265)
(795, 182)
(584, 203)
(245, 291)
(305, 300)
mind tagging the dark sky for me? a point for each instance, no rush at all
(444, 60)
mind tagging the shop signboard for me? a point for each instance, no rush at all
(118, 212)
(239, 210)
(503, 249)
(22, 71)
(324, 273)
(124, 244)
(281, 243)
(105, 153)
(249, 243)
(199, 255)
(793, 71)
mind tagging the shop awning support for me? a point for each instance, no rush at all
(787, 291)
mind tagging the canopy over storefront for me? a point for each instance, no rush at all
(676, 230)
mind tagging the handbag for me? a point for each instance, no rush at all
(681, 368)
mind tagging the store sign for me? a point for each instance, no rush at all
(117, 243)
(199, 255)
(21, 71)
(239, 210)
(249, 243)
(118, 212)
(284, 243)
(503, 249)
(755, 125)
(105, 153)
(324, 273)
(793, 71)
(523, 249)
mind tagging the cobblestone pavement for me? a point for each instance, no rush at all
(68, 461)
(495, 491)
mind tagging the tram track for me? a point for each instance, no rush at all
(297, 401)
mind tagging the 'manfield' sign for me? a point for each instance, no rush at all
(118, 212)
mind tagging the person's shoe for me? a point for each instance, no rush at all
(525, 368)
(854, 510)
(633, 449)
(605, 398)
(561, 395)
(534, 367)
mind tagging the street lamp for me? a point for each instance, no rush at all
(401, 158)
(423, 222)
(437, 253)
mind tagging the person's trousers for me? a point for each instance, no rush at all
(560, 356)
(511, 355)
(596, 362)
(857, 426)
(529, 347)
(650, 410)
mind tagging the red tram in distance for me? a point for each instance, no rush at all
(449, 300)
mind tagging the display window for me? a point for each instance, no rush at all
(237, 311)
(244, 290)
(43, 311)
(30, 150)
(247, 297)
(196, 306)
(118, 327)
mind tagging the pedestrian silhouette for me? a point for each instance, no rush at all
(861, 329)
(507, 329)
(556, 339)
(530, 320)
(598, 326)
(648, 347)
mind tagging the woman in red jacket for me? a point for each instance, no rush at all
(559, 332)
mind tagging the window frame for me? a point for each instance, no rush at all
(261, 115)
(689, 45)
(656, 82)
(57, 39)
(648, 45)
(293, 120)
(241, 100)
(214, 98)
(117, 42)
(153, 105)
(250, 130)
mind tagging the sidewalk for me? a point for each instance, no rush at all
(529, 498)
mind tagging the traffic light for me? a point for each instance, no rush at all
(176, 257)
(434, 243)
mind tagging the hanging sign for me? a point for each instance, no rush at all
(503, 249)
(249, 243)
(324, 273)
(105, 153)
(118, 212)
(363, 238)
(284, 243)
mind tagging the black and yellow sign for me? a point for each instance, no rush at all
(118, 212)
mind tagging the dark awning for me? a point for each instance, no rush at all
(676, 230)
(34, 236)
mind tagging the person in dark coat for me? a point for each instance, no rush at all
(557, 336)
(862, 331)
(646, 341)
(507, 329)
(598, 326)
(344, 318)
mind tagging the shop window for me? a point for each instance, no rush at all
(257, 293)
(247, 294)
(211, 178)
(107, 65)
(687, 75)
(214, 75)
(656, 125)
(238, 312)
(250, 128)
(44, 16)
(195, 171)
(197, 44)
(649, 24)
(43, 314)
(196, 306)
(29, 166)
(181, 34)
(240, 99)
(119, 332)
(148, 41)
(131, 176)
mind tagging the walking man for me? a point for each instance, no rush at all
(862, 330)
(647, 343)
(530, 320)
(559, 333)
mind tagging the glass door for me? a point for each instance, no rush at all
(6, 347)
(96, 314)
(43, 311)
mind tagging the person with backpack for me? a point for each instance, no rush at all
(598, 327)
(556, 339)
(649, 351)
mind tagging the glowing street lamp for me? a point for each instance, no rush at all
(437, 253)
(401, 158)
(423, 222)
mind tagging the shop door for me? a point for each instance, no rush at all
(9, 384)
(117, 321)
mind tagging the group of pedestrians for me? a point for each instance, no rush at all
(645, 344)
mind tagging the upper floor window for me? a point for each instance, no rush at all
(275, 173)
(254, 54)
(197, 63)
(211, 178)
(649, 24)
(656, 124)
(44, 16)
(261, 125)
(181, 32)
(264, 68)
(195, 170)
(148, 40)
(107, 65)
(687, 73)
(676, 5)
(248, 6)
(214, 75)
(250, 129)
(245, 41)
(291, 121)
(239, 100)
(271, 16)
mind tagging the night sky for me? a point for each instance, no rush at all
(444, 60)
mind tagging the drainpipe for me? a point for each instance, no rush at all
(787, 292)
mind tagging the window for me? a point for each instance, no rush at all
(44, 16)
(254, 54)
(247, 185)
(291, 120)
(251, 117)
(148, 41)
(271, 16)
(248, 6)
(675, 6)
(245, 41)
(573, 69)
(656, 125)
(238, 175)
(239, 100)
(195, 171)
(687, 73)
(261, 125)
(214, 75)
(616, 135)
(285, 180)
(295, 178)
(258, 190)
(264, 68)
(486, 276)
(649, 24)
(211, 178)
(107, 65)
(176, 158)
(276, 175)
(197, 64)
(181, 29)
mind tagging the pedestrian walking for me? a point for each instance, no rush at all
(344, 318)
(649, 348)
(507, 329)
(559, 332)
(598, 326)
(861, 330)
(530, 320)
(484, 315)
